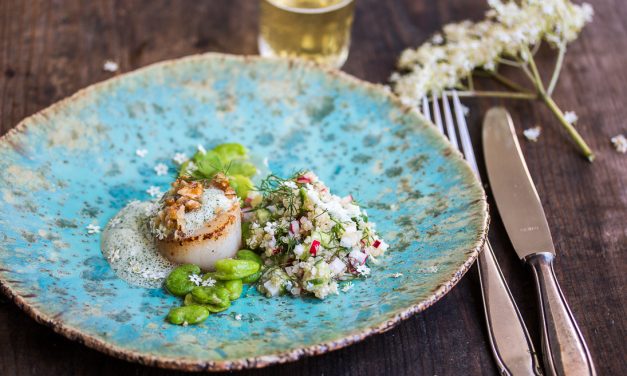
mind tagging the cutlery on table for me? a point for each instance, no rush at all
(564, 348)
(509, 340)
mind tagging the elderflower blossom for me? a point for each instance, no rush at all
(110, 66)
(93, 229)
(532, 134)
(195, 279)
(508, 29)
(161, 169)
(209, 282)
(570, 116)
(179, 158)
(154, 191)
(620, 143)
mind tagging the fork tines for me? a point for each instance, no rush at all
(451, 133)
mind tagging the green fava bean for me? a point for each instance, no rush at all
(215, 309)
(178, 282)
(230, 150)
(247, 254)
(252, 278)
(230, 269)
(211, 275)
(191, 314)
(234, 288)
(189, 300)
(218, 296)
(241, 184)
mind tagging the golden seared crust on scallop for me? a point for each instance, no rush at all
(199, 234)
(220, 238)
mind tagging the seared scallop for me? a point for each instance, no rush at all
(198, 222)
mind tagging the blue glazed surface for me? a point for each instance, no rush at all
(74, 164)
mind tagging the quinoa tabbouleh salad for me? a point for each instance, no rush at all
(214, 231)
(308, 238)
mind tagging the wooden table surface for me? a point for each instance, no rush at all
(51, 48)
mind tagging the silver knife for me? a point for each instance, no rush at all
(564, 348)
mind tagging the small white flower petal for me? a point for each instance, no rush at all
(110, 66)
(154, 191)
(532, 134)
(571, 116)
(93, 229)
(209, 282)
(620, 143)
(161, 169)
(195, 279)
(180, 158)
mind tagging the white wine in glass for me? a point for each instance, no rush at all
(317, 30)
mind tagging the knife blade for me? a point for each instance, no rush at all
(515, 194)
(564, 349)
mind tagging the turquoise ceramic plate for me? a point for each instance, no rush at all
(74, 164)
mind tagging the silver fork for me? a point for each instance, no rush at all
(509, 340)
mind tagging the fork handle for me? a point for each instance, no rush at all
(509, 340)
(564, 348)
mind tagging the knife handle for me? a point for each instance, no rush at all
(564, 348)
(510, 342)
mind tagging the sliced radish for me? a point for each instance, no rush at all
(314, 247)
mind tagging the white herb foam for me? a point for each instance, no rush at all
(213, 201)
(130, 248)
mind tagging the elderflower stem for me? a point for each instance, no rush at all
(509, 83)
(542, 94)
(585, 149)
(529, 75)
(534, 70)
(557, 69)
(497, 94)
(506, 61)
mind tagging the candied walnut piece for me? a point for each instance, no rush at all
(221, 182)
(192, 205)
(184, 196)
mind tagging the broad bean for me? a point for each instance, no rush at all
(241, 184)
(191, 314)
(252, 278)
(247, 254)
(178, 283)
(230, 150)
(230, 269)
(234, 288)
(189, 300)
(216, 295)
(215, 309)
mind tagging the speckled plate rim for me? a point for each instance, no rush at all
(180, 363)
